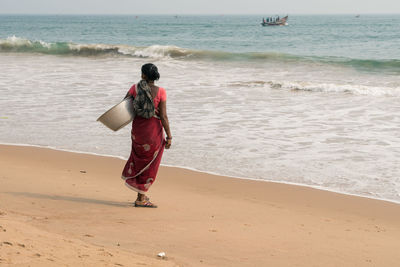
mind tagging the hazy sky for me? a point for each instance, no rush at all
(198, 6)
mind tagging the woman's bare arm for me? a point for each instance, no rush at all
(165, 123)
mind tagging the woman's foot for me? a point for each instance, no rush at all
(145, 204)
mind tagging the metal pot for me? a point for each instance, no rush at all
(119, 115)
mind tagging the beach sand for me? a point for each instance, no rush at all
(69, 209)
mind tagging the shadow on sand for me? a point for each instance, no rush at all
(73, 199)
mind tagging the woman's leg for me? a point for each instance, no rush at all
(141, 197)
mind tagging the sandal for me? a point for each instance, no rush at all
(145, 204)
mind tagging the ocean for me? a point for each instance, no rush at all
(314, 103)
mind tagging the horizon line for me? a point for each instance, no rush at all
(189, 14)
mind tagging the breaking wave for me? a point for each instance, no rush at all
(318, 87)
(336, 88)
(21, 45)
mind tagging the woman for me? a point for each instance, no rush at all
(147, 136)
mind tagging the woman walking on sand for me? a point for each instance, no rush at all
(148, 142)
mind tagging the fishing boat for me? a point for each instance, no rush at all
(276, 21)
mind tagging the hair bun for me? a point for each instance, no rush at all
(151, 71)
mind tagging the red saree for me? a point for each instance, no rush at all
(147, 148)
(148, 144)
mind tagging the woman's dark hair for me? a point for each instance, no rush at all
(151, 71)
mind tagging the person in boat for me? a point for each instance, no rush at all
(147, 135)
(264, 20)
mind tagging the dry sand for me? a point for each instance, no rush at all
(68, 209)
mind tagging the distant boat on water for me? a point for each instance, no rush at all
(275, 21)
(357, 16)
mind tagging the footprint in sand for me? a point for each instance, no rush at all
(83, 256)
(106, 253)
(379, 229)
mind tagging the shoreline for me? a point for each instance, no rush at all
(207, 172)
(68, 208)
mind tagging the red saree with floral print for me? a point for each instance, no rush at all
(148, 144)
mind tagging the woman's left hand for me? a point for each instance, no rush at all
(168, 143)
